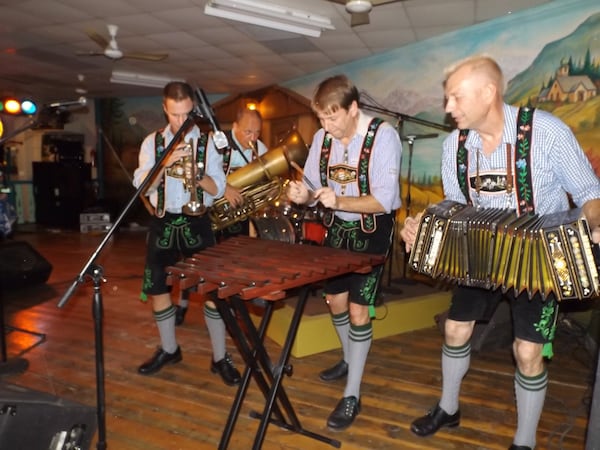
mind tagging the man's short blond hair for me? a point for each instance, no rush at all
(483, 64)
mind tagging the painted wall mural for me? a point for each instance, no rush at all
(550, 56)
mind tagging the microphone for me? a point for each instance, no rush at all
(206, 111)
(81, 101)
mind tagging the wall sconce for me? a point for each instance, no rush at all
(251, 104)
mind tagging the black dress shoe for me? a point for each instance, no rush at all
(434, 420)
(159, 359)
(344, 413)
(519, 447)
(340, 370)
(230, 375)
(179, 315)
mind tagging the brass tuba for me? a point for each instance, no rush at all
(259, 181)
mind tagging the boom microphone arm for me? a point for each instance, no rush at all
(204, 110)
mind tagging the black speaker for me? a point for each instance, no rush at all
(488, 335)
(31, 420)
(21, 265)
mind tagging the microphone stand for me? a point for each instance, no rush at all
(95, 272)
(411, 140)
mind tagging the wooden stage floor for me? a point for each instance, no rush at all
(185, 406)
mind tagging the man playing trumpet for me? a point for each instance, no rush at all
(173, 234)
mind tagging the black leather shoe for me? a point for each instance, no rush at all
(435, 419)
(519, 447)
(159, 359)
(344, 413)
(340, 370)
(179, 315)
(230, 375)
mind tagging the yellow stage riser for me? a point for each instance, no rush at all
(316, 333)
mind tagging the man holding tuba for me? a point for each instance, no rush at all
(173, 233)
(244, 147)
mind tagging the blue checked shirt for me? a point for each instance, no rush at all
(559, 166)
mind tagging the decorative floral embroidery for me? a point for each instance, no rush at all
(547, 324)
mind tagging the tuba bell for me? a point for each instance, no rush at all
(259, 181)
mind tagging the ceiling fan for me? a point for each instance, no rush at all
(359, 9)
(111, 50)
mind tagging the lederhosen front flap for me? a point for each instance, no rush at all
(368, 223)
(522, 162)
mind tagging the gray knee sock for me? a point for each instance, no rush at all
(165, 321)
(216, 331)
(455, 363)
(530, 393)
(360, 338)
(341, 322)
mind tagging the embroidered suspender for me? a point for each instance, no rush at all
(524, 191)
(521, 164)
(368, 223)
(159, 148)
(159, 145)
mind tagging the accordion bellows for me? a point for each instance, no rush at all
(494, 248)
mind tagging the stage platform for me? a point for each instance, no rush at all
(402, 308)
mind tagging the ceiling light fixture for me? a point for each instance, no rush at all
(269, 15)
(139, 79)
(358, 6)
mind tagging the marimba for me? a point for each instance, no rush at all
(241, 269)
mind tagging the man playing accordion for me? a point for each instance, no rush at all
(504, 157)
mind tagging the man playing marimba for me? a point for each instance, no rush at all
(355, 162)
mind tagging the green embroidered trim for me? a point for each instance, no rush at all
(522, 162)
(547, 327)
(524, 190)
(368, 222)
(146, 284)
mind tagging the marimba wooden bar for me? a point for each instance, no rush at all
(241, 269)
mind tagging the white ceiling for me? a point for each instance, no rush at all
(39, 40)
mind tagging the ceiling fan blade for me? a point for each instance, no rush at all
(146, 56)
(89, 53)
(383, 2)
(359, 19)
(341, 2)
(98, 39)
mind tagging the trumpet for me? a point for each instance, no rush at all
(193, 171)
(188, 170)
(177, 169)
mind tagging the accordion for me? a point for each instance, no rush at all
(495, 248)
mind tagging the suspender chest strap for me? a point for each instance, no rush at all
(521, 166)
(368, 223)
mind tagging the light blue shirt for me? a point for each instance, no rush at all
(384, 164)
(237, 160)
(175, 193)
(559, 166)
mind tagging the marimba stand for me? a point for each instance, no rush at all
(242, 269)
